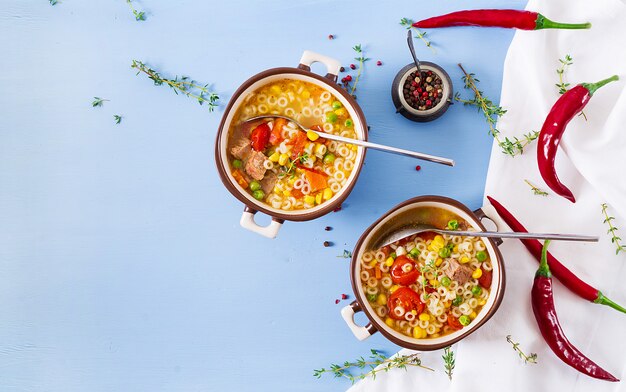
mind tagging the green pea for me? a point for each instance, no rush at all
(237, 164)
(464, 320)
(457, 301)
(329, 158)
(453, 224)
(337, 105)
(445, 281)
(481, 255)
(415, 253)
(348, 123)
(476, 290)
(372, 297)
(444, 252)
(393, 255)
(331, 117)
(258, 194)
(255, 185)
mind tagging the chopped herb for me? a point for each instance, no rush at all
(377, 362)
(53, 2)
(97, 102)
(118, 118)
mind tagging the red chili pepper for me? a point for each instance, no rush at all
(515, 19)
(564, 275)
(399, 276)
(565, 108)
(545, 313)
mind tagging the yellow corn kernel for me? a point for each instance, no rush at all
(274, 157)
(275, 89)
(464, 259)
(341, 112)
(414, 311)
(472, 315)
(477, 273)
(308, 199)
(389, 262)
(447, 304)
(438, 262)
(353, 147)
(439, 239)
(328, 193)
(434, 247)
(373, 263)
(424, 317)
(419, 333)
(320, 149)
(306, 94)
(282, 159)
(389, 321)
(455, 249)
(433, 282)
(291, 181)
(393, 288)
(287, 192)
(432, 318)
(277, 190)
(381, 299)
(318, 198)
(481, 302)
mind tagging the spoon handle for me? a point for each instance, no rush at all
(538, 236)
(394, 150)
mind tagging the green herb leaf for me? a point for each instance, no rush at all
(118, 118)
(346, 254)
(536, 190)
(97, 102)
(616, 240)
(531, 358)
(139, 15)
(448, 361)
(408, 24)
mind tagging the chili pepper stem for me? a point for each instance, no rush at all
(605, 301)
(544, 269)
(592, 87)
(544, 23)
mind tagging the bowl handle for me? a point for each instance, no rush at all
(348, 313)
(492, 215)
(269, 231)
(332, 65)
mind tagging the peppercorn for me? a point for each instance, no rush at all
(352, 66)
(330, 36)
(418, 168)
(348, 78)
(379, 63)
(327, 244)
(342, 69)
(328, 228)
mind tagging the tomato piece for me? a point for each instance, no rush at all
(260, 137)
(298, 142)
(397, 271)
(297, 193)
(276, 136)
(406, 298)
(485, 279)
(454, 322)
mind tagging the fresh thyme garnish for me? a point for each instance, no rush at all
(408, 23)
(448, 360)
(361, 59)
(492, 112)
(536, 190)
(346, 254)
(118, 118)
(531, 358)
(139, 15)
(291, 167)
(562, 85)
(615, 239)
(183, 84)
(97, 102)
(376, 359)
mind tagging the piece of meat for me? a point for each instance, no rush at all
(241, 148)
(455, 271)
(268, 182)
(254, 165)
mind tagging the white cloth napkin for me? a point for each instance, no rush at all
(592, 163)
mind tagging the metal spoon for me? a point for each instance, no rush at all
(409, 40)
(422, 228)
(363, 143)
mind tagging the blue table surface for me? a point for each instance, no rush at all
(123, 264)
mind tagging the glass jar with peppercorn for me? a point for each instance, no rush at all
(422, 97)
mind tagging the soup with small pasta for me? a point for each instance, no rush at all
(277, 162)
(429, 285)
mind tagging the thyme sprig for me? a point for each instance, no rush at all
(183, 85)
(615, 239)
(492, 112)
(408, 24)
(359, 52)
(53, 2)
(117, 118)
(531, 358)
(377, 363)
(97, 102)
(536, 191)
(139, 15)
(562, 85)
(346, 254)
(448, 361)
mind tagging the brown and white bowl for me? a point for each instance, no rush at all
(398, 217)
(302, 72)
